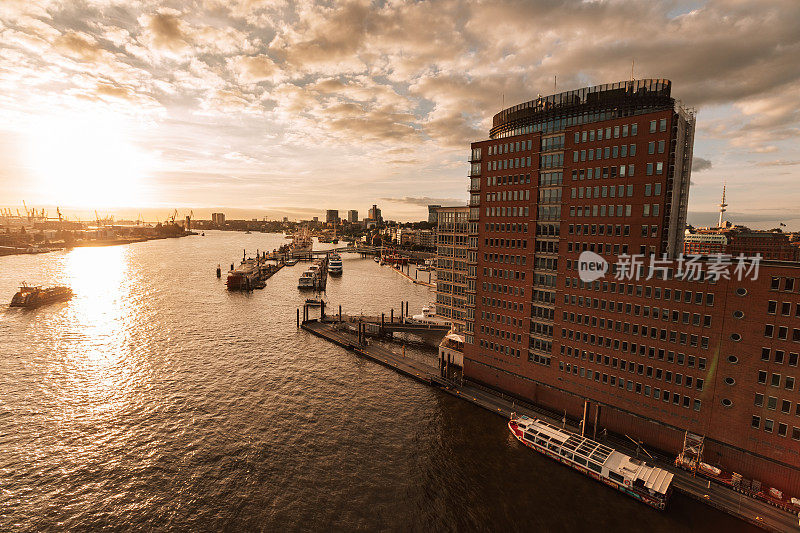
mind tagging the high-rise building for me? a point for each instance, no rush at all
(332, 216)
(452, 239)
(375, 214)
(218, 219)
(606, 170)
(432, 218)
(352, 216)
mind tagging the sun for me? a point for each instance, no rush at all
(87, 160)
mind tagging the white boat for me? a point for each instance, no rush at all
(428, 317)
(335, 265)
(648, 484)
(291, 262)
(307, 280)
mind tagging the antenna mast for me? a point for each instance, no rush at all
(722, 206)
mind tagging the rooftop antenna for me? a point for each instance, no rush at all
(555, 84)
(722, 206)
(633, 61)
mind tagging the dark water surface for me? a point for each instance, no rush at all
(157, 400)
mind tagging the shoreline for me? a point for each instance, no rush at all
(9, 250)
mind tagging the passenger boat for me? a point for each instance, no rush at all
(291, 262)
(244, 277)
(428, 318)
(335, 265)
(34, 296)
(648, 484)
(307, 280)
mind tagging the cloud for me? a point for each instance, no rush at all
(423, 201)
(778, 163)
(700, 164)
(391, 94)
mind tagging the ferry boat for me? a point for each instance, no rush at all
(307, 280)
(648, 484)
(335, 265)
(244, 277)
(291, 262)
(428, 317)
(34, 296)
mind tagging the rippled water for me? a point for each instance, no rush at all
(155, 399)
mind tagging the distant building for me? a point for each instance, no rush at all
(331, 216)
(352, 216)
(218, 219)
(432, 218)
(375, 214)
(452, 240)
(740, 240)
(315, 219)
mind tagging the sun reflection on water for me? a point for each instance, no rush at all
(95, 358)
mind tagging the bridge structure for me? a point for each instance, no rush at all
(362, 249)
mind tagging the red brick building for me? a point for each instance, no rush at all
(606, 169)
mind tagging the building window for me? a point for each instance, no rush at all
(768, 425)
(652, 126)
(756, 422)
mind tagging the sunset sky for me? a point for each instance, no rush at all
(291, 107)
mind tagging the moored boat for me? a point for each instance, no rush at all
(335, 265)
(648, 484)
(34, 296)
(244, 277)
(307, 280)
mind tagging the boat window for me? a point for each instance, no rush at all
(596, 467)
(552, 447)
(616, 477)
(580, 460)
(529, 437)
(540, 442)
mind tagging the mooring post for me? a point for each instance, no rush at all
(596, 417)
(429, 277)
(383, 318)
(406, 308)
(583, 421)
(321, 309)
(340, 312)
(298, 318)
(416, 273)
(391, 316)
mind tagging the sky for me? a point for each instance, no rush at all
(273, 108)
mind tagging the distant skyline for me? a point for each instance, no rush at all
(278, 107)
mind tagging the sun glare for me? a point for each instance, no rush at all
(87, 160)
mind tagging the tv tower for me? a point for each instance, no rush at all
(722, 206)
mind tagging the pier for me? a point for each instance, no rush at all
(751, 510)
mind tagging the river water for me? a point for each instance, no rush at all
(157, 400)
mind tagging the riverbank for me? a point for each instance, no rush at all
(33, 250)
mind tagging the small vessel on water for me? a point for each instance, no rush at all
(307, 280)
(244, 277)
(376, 259)
(291, 262)
(33, 296)
(335, 265)
(648, 484)
(428, 317)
